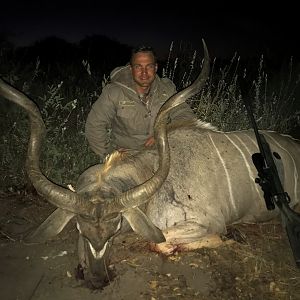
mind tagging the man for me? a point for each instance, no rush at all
(124, 114)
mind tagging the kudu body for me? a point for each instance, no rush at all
(197, 181)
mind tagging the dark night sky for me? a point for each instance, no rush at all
(248, 29)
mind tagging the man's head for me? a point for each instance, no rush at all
(143, 67)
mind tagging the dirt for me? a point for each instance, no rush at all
(257, 264)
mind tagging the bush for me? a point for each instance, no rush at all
(272, 95)
(66, 99)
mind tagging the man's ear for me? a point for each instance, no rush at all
(156, 67)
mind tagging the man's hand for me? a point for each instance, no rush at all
(149, 142)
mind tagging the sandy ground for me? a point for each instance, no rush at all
(259, 265)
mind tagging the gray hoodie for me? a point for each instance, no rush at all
(119, 119)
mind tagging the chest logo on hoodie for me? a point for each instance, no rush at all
(126, 103)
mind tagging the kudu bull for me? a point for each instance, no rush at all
(197, 181)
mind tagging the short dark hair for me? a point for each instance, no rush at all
(143, 48)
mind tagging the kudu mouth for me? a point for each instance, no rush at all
(91, 204)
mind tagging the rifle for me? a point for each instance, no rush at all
(274, 194)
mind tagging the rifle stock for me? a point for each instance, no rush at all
(291, 224)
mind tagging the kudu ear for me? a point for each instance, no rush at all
(143, 226)
(51, 227)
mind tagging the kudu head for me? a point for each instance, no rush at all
(98, 214)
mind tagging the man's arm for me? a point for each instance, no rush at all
(99, 121)
(182, 112)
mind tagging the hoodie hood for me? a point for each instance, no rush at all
(122, 76)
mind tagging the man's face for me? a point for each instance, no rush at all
(143, 68)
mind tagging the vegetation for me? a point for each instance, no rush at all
(65, 79)
(273, 95)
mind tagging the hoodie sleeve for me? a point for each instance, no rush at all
(182, 111)
(99, 120)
